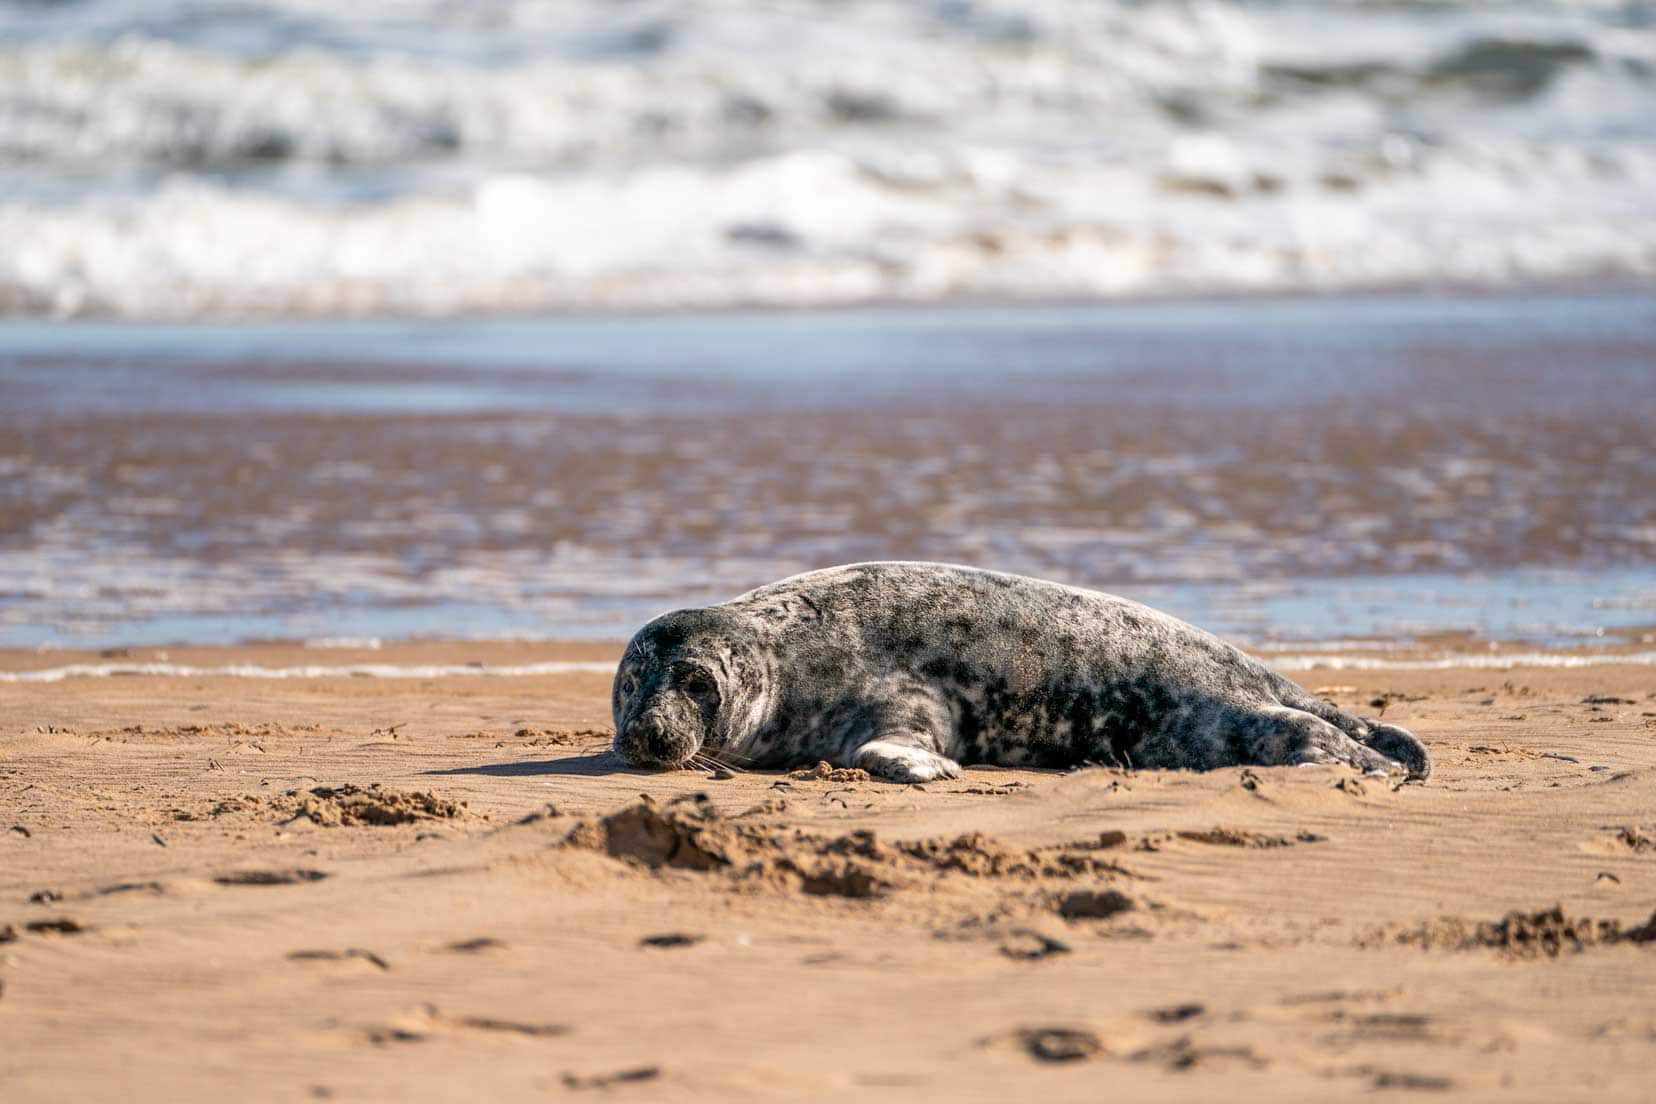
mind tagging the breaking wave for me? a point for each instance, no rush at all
(288, 157)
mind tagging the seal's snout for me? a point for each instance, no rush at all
(654, 738)
(649, 741)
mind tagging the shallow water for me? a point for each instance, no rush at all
(1299, 470)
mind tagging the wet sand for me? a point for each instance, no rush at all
(570, 478)
(373, 888)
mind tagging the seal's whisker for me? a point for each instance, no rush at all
(732, 759)
(711, 765)
(720, 763)
(725, 763)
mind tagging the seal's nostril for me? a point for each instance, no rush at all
(659, 742)
(651, 737)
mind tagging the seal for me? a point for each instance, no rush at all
(908, 670)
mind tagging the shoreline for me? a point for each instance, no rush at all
(438, 658)
(1218, 296)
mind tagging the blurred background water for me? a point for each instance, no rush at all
(1324, 323)
(273, 158)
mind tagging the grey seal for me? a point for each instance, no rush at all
(908, 670)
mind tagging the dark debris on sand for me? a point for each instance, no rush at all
(1060, 1044)
(1548, 933)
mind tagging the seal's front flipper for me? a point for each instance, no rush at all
(905, 731)
(897, 760)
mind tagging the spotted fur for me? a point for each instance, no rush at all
(911, 669)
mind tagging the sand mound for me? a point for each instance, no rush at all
(825, 771)
(1545, 934)
(690, 834)
(338, 806)
(351, 805)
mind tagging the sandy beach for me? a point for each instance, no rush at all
(370, 373)
(368, 887)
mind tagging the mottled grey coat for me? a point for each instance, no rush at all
(910, 669)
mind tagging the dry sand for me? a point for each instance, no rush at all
(372, 888)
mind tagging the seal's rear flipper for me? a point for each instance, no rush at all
(1400, 744)
(1396, 744)
(1279, 735)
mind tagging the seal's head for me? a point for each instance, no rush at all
(687, 684)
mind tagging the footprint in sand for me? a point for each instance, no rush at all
(295, 876)
(1092, 904)
(1623, 840)
(1226, 837)
(348, 955)
(60, 925)
(1416, 1082)
(671, 939)
(1060, 1044)
(605, 1080)
(1027, 944)
(1177, 1013)
(426, 1022)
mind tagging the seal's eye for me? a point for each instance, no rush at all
(628, 685)
(700, 687)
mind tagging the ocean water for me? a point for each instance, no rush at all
(182, 159)
(1331, 474)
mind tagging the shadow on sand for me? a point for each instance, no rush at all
(588, 766)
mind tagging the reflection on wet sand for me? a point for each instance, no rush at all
(1220, 473)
